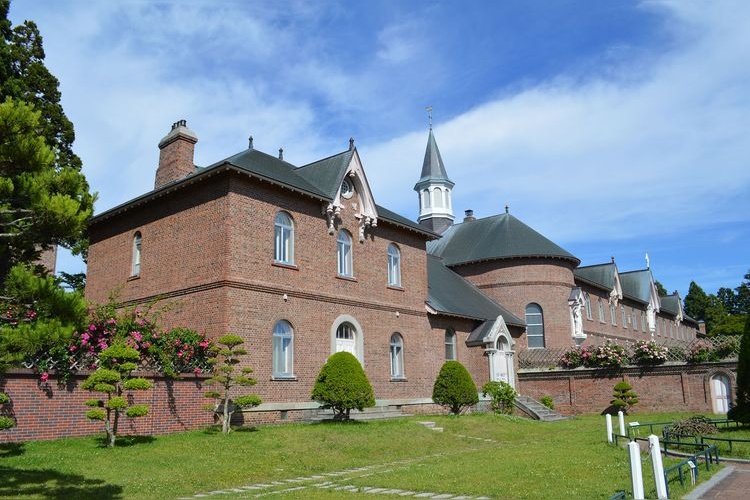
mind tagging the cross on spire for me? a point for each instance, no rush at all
(429, 114)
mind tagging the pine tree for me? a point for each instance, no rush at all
(42, 202)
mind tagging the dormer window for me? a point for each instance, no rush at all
(347, 189)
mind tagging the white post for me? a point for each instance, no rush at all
(621, 418)
(608, 418)
(656, 463)
(636, 473)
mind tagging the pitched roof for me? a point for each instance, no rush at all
(600, 275)
(498, 237)
(450, 294)
(328, 173)
(637, 285)
(670, 304)
(433, 168)
(393, 217)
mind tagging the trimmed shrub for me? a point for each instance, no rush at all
(227, 353)
(454, 388)
(502, 397)
(342, 386)
(624, 397)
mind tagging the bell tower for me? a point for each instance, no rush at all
(434, 189)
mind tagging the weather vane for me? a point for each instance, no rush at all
(429, 114)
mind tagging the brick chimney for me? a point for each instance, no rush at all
(176, 155)
(469, 216)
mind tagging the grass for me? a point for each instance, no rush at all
(476, 455)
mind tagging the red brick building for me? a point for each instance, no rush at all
(302, 262)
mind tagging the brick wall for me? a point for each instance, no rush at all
(46, 411)
(664, 388)
(514, 283)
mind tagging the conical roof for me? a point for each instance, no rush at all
(433, 168)
(497, 237)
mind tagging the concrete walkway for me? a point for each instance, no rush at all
(731, 483)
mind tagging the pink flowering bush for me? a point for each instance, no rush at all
(575, 357)
(649, 353)
(609, 354)
(702, 351)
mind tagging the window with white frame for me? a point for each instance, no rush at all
(438, 196)
(283, 350)
(135, 269)
(426, 198)
(450, 345)
(624, 317)
(534, 326)
(643, 322)
(587, 300)
(601, 310)
(397, 356)
(344, 253)
(634, 315)
(283, 247)
(394, 265)
(613, 313)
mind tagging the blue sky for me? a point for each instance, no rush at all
(614, 128)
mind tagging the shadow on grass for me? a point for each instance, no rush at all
(48, 483)
(216, 429)
(331, 421)
(11, 449)
(126, 441)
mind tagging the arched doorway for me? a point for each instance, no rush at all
(720, 393)
(502, 367)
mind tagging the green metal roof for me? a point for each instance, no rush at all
(637, 285)
(601, 275)
(433, 168)
(450, 294)
(497, 237)
(327, 174)
(393, 217)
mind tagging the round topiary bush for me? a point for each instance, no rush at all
(454, 388)
(342, 385)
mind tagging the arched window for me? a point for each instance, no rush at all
(283, 245)
(624, 317)
(425, 198)
(438, 195)
(613, 313)
(587, 299)
(397, 356)
(447, 203)
(394, 265)
(601, 310)
(346, 338)
(534, 326)
(135, 269)
(450, 345)
(283, 349)
(344, 251)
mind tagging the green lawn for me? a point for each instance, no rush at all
(476, 455)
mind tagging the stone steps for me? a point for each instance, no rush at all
(537, 410)
(374, 413)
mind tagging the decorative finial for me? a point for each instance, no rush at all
(351, 143)
(281, 153)
(648, 263)
(429, 115)
(250, 142)
(613, 259)
(507, 208)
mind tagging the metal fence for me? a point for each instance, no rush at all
(697, 351)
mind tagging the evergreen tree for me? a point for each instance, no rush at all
(342, 385)
(696, 302)
(57, 182)
(728, 299)
(660, 289)
(741, 409)
(454, 388)
(715, 314)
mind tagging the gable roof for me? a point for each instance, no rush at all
(328, 173)
(450, 294)
(637, 285)
(671, 304)
(599, 275)
(497, 237)
(320, 179)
